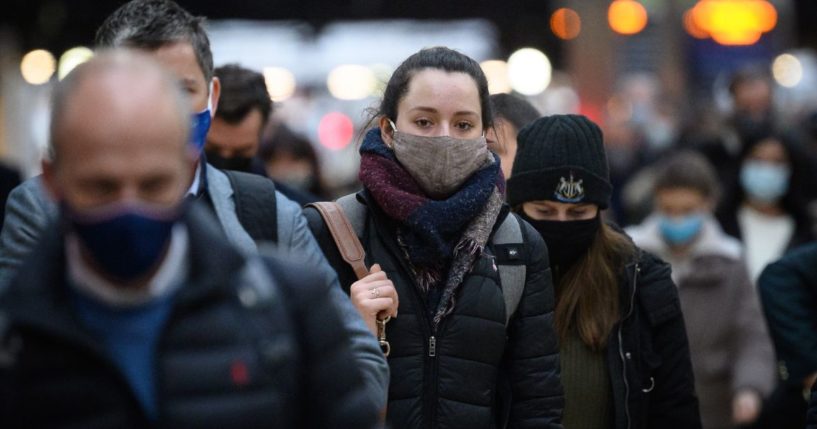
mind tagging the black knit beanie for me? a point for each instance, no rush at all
(560, 158)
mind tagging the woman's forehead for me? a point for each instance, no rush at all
(433, 89)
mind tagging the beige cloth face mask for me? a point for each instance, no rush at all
(440, 165)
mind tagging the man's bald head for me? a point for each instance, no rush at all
(119, 131)
(115, 88)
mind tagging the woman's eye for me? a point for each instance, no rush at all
(423, 123)
(465, 126)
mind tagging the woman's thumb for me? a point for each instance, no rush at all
(375, 269)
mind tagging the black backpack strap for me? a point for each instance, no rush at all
(255, 204)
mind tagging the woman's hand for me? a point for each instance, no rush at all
(746, 407)
(375, 297)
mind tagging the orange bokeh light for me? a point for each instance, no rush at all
(565, 23)
(692, 28)
(627, 16)
(733, 22)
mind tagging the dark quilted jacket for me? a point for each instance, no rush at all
(460, 375)
(295, 369)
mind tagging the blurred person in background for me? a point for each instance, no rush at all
(432, 197)
(291, 160)
(247, 207)
(731, 352)
(235, 137)
(788, 293)
(751, 97)
(244, 108)
(765, 206)
(511, 113)
(623, 346)
(133, 311)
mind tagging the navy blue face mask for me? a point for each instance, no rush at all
(125, 241)
(200, 123)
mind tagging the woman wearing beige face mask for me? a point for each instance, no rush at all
(431, 208)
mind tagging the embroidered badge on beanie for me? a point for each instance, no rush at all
(569, 191)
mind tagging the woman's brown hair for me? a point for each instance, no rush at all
(587, 295)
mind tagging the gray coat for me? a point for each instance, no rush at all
(728, 339)
(29, 211)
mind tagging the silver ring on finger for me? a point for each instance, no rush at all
(375, 293)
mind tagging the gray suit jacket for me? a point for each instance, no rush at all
(29, 211)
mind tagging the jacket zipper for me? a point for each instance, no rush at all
(426, 325)
(621, 352)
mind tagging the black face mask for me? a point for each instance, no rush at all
(567, 241)
(237, 163)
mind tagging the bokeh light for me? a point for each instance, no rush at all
(692, 28)
(335, 131)
(351, 82)
(280, 83)
(38, 66)
(496, 71)
(787, 70)
(529, 71)
(566, 23)
(71, 58)
(734, 22)
(627, 16)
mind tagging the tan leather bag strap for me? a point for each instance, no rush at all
(345, 238)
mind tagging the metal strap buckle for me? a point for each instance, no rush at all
(381, 336)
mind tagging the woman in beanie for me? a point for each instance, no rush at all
(432, 204)
(731, 352)
(623, 346)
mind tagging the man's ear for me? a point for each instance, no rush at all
(386, 131)
(50, 179)
(214, 95)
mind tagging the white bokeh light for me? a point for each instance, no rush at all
(496, 71)
(280, 83)
(72, 58)
(787, 70)
(351, 82)
(529, 71)
(38, 66)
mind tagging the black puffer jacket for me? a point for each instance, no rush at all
(451, 378)
(277, 324)
(648, 352)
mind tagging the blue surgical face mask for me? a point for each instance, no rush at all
(764, 181)
(201, 124)
(125, 241)
(680, 230)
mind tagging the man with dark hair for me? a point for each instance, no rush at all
(235, 137)
(242, 114)
(133, 312)
(511, 113)
(246, 206)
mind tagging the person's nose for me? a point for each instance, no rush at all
(443, 130)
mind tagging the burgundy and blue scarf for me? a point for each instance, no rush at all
(441, 238)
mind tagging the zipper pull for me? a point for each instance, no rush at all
(432, 346)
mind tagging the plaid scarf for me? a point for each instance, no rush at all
(436, 235)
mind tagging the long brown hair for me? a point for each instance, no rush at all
(587, 296)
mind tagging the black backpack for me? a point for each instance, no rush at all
(255, 204)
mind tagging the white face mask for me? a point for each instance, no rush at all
(440, 165)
